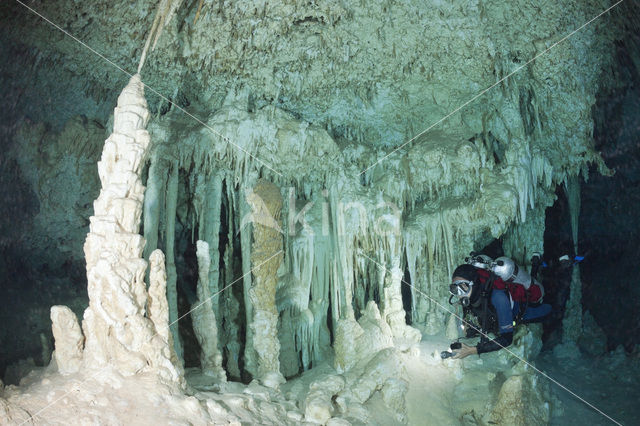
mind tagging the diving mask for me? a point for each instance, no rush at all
(462, 290)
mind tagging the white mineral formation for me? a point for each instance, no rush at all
(357, 342)
(393, 309)
(69, 340)
(116, 329)
(520, 403)
(453, 330)
(266, 257)
(204, 318)
(158, 308)
(318, 405)
(164, 14)
(383, 372)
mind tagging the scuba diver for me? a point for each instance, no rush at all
(516, 298)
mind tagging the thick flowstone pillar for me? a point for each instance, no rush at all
(266, 257)
(245, 247)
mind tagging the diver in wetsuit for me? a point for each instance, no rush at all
(513, 294)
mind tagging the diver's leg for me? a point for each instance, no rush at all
(536, 313)
(500, 300)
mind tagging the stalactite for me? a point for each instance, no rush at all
(412, 251)
(164, 14)
(523, 239)
(172, 276)
(301, 253)
(434, 241)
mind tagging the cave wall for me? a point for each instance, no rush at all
(609, 220)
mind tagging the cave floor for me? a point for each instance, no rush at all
(439, 392)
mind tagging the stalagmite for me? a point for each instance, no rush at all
(68, 339)
(116, 329)
(266, 257)
(158, 306)
(520, 402)
(204, 318)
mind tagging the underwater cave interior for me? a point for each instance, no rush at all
(265, 227)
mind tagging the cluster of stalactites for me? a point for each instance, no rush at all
(452, 197)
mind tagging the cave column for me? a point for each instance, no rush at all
(211, 235)
(343, 238)
(204, 318)
(392, 309)
(172, 276)
(266, 257)
(572, 321)
(412, 252)
(230, 305)
(244, 211)
(152, 206)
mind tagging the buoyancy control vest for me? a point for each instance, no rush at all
(518, 288)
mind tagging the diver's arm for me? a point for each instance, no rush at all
(498, 343)
(464, 351)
